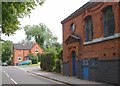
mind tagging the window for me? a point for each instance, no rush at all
(85, 62)
(89, 28)
(72, 27)
(19, 52)
(36, 50)
(19, 58)
(108, 20)
(94, 62)
(27, 57)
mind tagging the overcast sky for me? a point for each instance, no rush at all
(51, 13)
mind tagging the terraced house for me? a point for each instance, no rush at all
(91, 41)
(21, 50)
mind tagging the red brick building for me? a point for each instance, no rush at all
(21, 50)
(91, 41)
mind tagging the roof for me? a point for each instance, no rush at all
(23, 46)
(72, 38)
(80, 10)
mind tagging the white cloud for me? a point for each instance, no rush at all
(51, 14)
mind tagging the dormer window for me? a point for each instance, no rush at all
(72, 27)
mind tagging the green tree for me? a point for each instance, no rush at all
(0, 49)
(50, 59)
(55, 48)
(12, 11)
(41, 34)
(0, 46)
(33, 58)
(6, 50)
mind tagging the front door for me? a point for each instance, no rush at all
(74, 67)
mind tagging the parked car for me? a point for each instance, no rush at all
(25, 62)
(4, 64)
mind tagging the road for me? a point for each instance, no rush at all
(13, 75)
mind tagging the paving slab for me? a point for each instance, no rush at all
(63, 79)
(60, 78)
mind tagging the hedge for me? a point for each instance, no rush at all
(33, 58)
(47, 62)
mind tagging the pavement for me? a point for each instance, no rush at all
(0, 73)
(63, 79)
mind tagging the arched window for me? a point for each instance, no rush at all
(36, 50)
(89, 28)
(72, 27)
(19, 58)
(108, 20)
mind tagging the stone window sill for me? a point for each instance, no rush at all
(102, 39)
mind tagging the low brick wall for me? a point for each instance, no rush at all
(93, 73)
(79, 71)
(65, 68)
(108, 71)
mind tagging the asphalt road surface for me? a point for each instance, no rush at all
(12, 75)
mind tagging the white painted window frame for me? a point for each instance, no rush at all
(36, 50)
(19, 57)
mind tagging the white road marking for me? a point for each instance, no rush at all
(7, 75)
(3, 71)
(14, 81)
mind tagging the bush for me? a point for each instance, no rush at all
(48, 62)
(9, 62)
(39, 57)
(58, 62)
(30, 62)
(33, 58)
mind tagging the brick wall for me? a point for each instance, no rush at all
(100, 47)
(66, 69)
(34, 47)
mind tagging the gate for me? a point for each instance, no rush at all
(85, 72)
(85, 69)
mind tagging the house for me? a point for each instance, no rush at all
(21, 50)
(91, 41)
